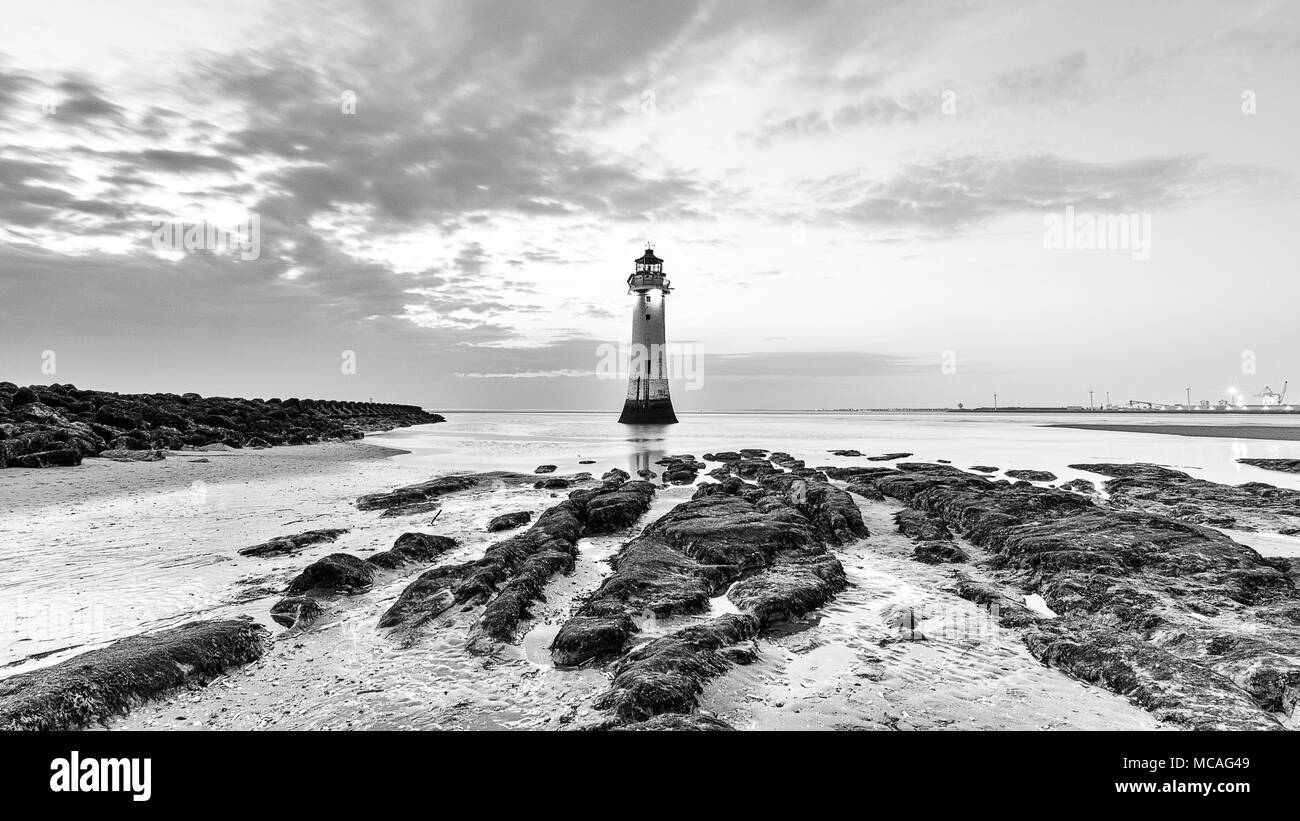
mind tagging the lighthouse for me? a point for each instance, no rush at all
(647, 400)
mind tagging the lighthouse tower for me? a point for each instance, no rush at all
(648, 401)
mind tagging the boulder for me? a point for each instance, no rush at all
(296, 612)
(1032, 475)
(509, 521)
(336, 573)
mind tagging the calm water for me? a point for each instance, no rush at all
(522, 441)
(79, 569)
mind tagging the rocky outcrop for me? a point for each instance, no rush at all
(284, 545)
(680, 470)
(1199, 629)
(867, 491)
(343, 573)
(52, 425)
(512, 574)
(668, 674)
(935, 538)
(939, 552)
(921, 526)
(429, 595)
(675, 565)
(423, 496)
(97, 685)
(1168, 492)
(768, 544)
(854, 474)
(888, 457)
(831, 510)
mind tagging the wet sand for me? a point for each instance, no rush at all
(97, 478)
(109, 549)
(1273, 432)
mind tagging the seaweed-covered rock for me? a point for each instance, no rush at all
(940, 552)
(856, 473)
(726, 532)
(335, 573)
(1162, 491)
(412, 548)
(96, 685)
(428, 596)
(668, 674)
(1149, 606)
(677, 722)
(831, 510)
(1032, 475)
(921, 526)
(867, 491)
(512, 574)
(418, 493)
(282, 545)
(509, 521)
(1079, 486)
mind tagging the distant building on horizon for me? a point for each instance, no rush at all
(648, 401)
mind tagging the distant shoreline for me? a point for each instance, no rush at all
(1278, 432)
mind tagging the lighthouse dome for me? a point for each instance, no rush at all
(649, 263)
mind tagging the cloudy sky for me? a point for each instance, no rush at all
(851, 197)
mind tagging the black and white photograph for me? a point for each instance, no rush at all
(564, 368)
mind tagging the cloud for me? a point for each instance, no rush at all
(952, 193)
(1053, 84)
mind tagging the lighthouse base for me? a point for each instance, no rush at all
(648, 412)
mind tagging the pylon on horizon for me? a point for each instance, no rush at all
(647, 400)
